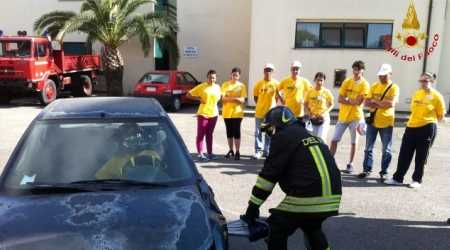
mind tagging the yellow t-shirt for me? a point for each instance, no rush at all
(384, 117)
(210, 94)
(294, 92)
(266, 93)
(425, 108)
(318, 100)
(114, 167)
(232, 109)
(351, 90)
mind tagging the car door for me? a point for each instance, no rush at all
(190, 83)
(42, 61)
(180, 87)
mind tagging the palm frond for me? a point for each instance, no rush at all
(76, 23)
(112, 22)
(129, 7)
(52, 21)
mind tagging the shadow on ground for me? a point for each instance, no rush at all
(352, 233)
(246, 165)
(23, 102)
(353, 181)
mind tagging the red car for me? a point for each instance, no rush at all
(168, 87)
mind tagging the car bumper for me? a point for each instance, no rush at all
(16, 86)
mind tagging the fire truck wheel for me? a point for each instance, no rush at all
(83, 87)
(49, 93)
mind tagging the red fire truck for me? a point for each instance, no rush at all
(32, 66)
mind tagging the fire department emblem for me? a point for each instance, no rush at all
(411, 35)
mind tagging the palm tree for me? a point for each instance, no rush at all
(112, 23)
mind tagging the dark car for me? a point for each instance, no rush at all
(106, 173)
(168, 87)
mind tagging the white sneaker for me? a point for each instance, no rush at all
(258, 155)
(393, 182)
(415, 184)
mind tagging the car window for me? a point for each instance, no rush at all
(41, 50)
(15, 48)
(155, 78)
(190, 79)
(180, 79)
(61, 152)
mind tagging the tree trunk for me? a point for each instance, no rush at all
(113, 68)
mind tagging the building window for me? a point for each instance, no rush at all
(379, 35)
(343, 35)
(354, 35)
(330, 35)
(307, 35)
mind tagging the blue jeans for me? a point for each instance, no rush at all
(262, 140)
(386, 141)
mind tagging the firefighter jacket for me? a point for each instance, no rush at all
(306, 172)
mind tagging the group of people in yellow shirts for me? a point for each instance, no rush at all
(233, 94)
(312, 105)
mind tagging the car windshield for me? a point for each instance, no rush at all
(56, 152)
(15, 48)
(155, 78)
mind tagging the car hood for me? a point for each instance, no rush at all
(173, 218)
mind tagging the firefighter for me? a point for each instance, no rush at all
(306, 172)
(136, 156)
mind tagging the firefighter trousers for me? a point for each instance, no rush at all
(283, 225)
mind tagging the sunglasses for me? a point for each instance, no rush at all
(268, 70)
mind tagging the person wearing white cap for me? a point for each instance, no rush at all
(381, 101)
(265, 94)
(293, 90)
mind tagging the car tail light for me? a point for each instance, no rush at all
(139, 87)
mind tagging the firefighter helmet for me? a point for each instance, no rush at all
(277, 118)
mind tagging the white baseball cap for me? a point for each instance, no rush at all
(296, 64)
(385, 69)
(269, 66)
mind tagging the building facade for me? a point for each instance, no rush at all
(324, 35)
(214, 35)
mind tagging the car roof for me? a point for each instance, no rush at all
(16, 38)
(103, 107)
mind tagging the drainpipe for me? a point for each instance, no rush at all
(425, 56)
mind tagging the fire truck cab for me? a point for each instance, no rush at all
(32, 66)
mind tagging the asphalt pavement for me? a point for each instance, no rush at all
(372, 215)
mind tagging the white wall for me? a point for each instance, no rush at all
(443, 84)
(221, 31)
(21, 14)
(273, 37)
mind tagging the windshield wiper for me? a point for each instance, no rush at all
(121, 182)
(55, 188)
